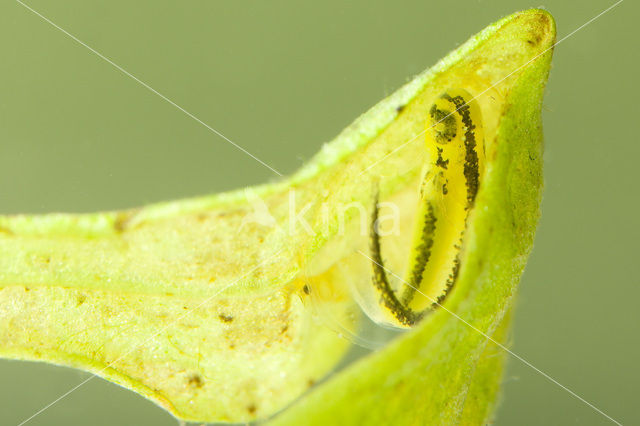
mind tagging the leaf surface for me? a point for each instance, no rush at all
(203, 305)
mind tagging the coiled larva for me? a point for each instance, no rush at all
(455, 142)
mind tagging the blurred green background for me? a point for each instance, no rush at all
(282, 77)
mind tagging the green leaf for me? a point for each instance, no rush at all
(214, 307)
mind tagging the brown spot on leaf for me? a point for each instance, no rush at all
(195, 381)
(120, 223)
(225, 318)
(80, 299)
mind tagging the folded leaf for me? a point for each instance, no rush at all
(226, 307)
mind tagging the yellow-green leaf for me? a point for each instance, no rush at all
(216, 308)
